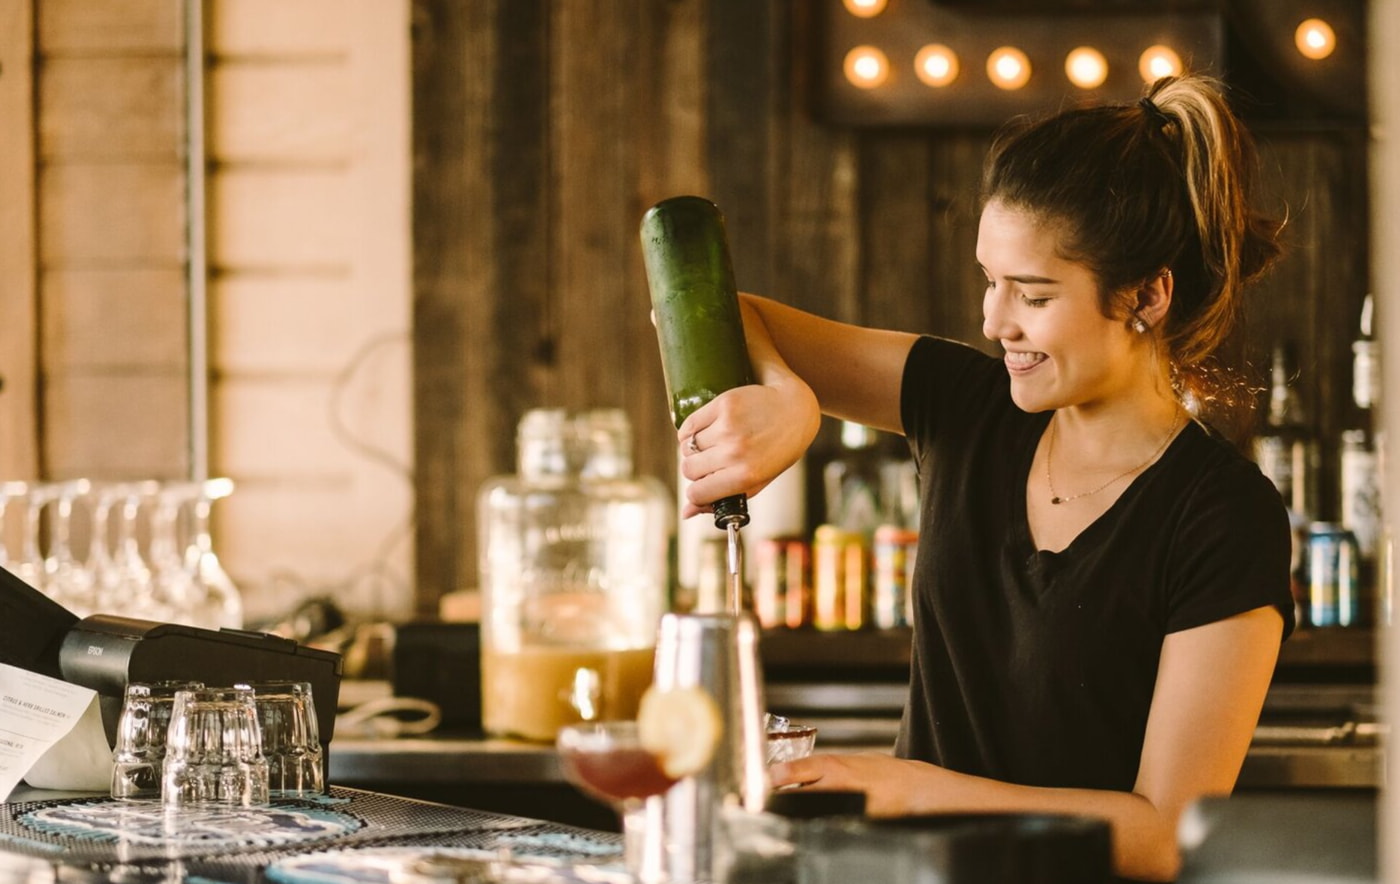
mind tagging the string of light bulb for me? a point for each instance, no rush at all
(938, 65)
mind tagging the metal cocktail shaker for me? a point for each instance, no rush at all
(686, 826)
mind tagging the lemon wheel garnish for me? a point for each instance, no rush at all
(680, 726)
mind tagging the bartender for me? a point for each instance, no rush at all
(1102, 579)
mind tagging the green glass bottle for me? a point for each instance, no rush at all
(696, 304)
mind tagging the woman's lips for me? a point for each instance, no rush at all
(1021, 363)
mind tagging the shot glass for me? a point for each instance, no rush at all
(139, 754)
(291, 742)
(213, 751)
(787, 740)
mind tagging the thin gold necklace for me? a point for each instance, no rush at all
(1050, 455)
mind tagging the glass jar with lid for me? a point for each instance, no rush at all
(574, 576)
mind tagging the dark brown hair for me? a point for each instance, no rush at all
(1163, 183)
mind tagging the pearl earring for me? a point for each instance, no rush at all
(1138, 325)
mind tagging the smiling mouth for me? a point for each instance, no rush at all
(1022, 362)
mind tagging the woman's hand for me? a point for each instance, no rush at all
(744, 438)
(892, 786)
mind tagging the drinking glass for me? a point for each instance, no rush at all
(607, 761)
(139, 754)
(787, 740)
(213, 751)
(290, 739)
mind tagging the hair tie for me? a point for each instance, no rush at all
(1153, 112)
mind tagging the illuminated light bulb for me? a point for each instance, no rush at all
(864, 8)
(866, 67)
(1086, 67)
(936, 65)
(1315, 39)
(1008, 68)
(1157, 62)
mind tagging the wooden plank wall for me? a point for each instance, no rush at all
(542, 131)
(19, 440)
(307, 136)
(309, 303)
(111, 239)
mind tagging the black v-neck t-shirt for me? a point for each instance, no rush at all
(1035, 667)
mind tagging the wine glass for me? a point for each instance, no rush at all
(219, 599)
(607, 761)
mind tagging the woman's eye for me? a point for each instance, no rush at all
(1034, 302)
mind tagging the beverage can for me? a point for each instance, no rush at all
(894, 568)
(781, 591)
(839, 579)
(1333, 576)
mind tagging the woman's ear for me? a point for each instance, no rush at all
(1154, 299)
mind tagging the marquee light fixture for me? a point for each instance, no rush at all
(1086, 67)
(1315, 39)
(980, 62)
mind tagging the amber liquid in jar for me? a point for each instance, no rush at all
(532, 692)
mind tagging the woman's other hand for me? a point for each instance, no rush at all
(892, 786)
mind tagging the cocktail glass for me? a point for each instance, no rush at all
(607, 761)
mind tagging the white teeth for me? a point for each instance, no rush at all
(1023, 360)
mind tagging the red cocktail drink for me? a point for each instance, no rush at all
(616, 774)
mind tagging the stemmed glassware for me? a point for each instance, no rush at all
(126, 580)
(8, 491)
(606, 759)
(217, 596)
(66, 580)
(141, 548)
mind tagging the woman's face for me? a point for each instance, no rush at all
(1044, 311)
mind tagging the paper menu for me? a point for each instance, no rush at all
(35, 713)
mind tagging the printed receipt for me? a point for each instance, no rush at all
(35, 713)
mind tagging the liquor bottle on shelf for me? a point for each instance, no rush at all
(1359, 473)
(1286, 449)
(1287, 452)
(865, 487)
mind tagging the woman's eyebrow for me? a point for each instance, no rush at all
(1023, 278)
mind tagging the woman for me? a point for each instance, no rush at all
(1102, 580)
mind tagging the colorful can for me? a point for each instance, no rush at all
(894, 567)
(839, 579)
(1333, 576)
(782, 596)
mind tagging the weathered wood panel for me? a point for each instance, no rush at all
(114, 319)
(19, 445)
(111, 213)
(112, 27)
(271, 217)
(461, 436)
(538, 127)
(285, 28)
(110, 425)
(276, 113)
(130, 108)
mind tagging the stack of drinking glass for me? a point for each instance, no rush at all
(185, 744)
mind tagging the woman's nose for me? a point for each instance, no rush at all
(996, 325)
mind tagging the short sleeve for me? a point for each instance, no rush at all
(1232, 550)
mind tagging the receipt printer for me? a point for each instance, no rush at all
(105, 652)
